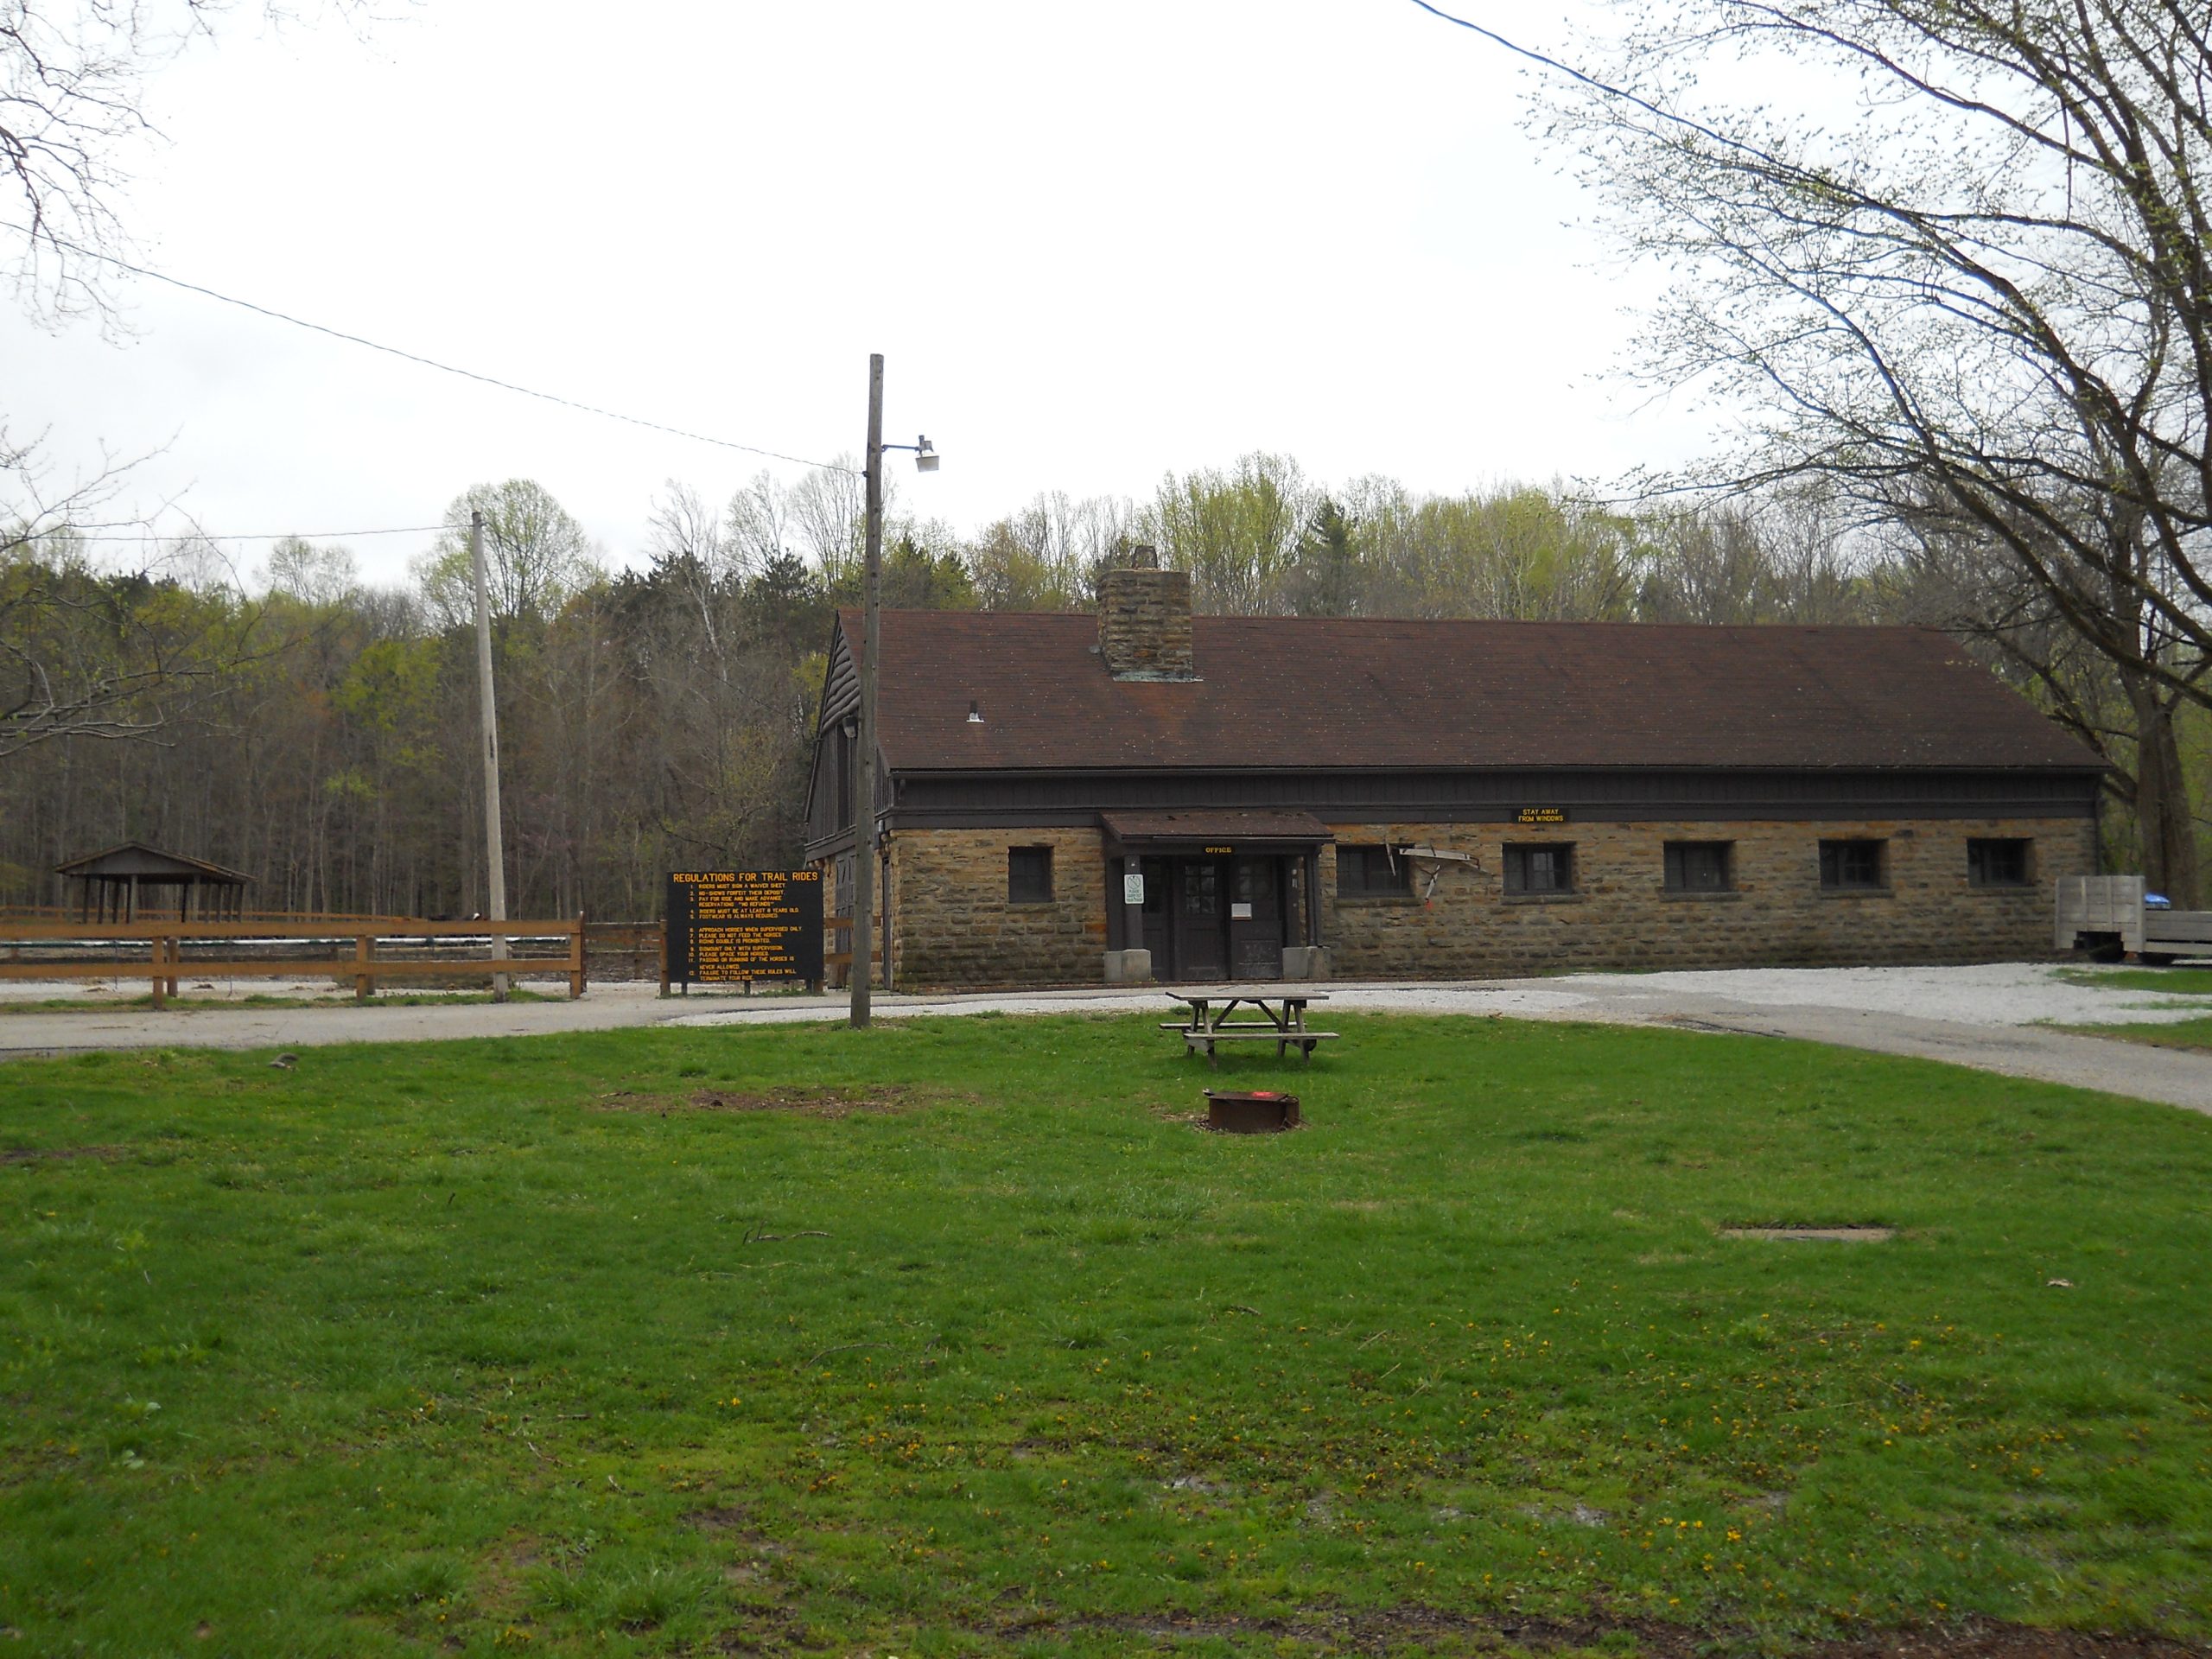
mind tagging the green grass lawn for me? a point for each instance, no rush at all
(957, 1337)
(2170, 981)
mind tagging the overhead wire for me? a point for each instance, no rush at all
(426, 362)
(1604, 88)
(64, 533)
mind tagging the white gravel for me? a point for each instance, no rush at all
(2004, 1018)
(1999, 994)
(1995, 995)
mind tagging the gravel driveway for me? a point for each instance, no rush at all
(1996, 1018)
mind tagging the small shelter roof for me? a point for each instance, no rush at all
(1244, 829)
(134, 858)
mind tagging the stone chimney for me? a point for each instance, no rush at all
(1144, 621)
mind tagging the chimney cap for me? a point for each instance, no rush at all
(1144, 557)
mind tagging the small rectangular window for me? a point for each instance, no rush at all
(1698, 866)
(1997, 862)
(1848, 866)
(1028, 875)
(1368, 871)
(1540, 867)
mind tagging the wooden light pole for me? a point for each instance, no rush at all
(863, 965)
(864, 850)
(494, 852)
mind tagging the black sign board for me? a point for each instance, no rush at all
(725, 925)
(1541, 815)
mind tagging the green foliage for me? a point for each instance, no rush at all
(535, 555)
(955, 1336)
(1236, 532)
(915, 578)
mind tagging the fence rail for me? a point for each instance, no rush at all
(165, 962)
(11, 914)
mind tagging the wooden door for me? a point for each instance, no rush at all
(1201, 938)
(1256, 918)
(1158, 917)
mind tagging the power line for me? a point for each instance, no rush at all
(64, 533)
(427, 362)
(1602, 88)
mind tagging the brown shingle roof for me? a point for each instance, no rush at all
(1298, 692)
(136, 858)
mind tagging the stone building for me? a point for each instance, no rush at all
(1065, 799)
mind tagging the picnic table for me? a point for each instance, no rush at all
(1280, 1019)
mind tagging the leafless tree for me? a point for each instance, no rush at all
(80, 655)
(72, 75)
(1959, 269)
(826, 512)
(756, 525)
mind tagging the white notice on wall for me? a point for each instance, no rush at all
(1132, 889)
(1239, 913)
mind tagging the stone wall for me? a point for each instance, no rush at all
(1620, 915)
(956, 928)
(952, 922)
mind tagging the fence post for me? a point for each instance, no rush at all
(157, 950)
(663, 956)
(176, 956)
(363, 944)
(577, 967)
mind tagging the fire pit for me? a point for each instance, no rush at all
(1250, 1111)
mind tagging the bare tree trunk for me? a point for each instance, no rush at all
(2162, 811)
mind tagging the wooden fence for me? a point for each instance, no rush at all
(626, 950)
(165, 962)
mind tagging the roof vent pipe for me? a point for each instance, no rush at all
(974, 713)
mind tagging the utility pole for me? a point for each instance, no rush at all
(495, 854)
(863, 965)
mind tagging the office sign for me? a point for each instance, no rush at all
(725, 925)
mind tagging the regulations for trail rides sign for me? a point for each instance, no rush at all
(725, 925)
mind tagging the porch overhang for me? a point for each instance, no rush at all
(1130, 834)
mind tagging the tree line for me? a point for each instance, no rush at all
(319, 733)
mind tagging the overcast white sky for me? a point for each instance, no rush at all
(1096, 243)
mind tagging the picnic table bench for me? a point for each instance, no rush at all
(1281, 1021)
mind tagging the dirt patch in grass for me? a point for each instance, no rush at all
(865, 1099)
(736, 1521)
(1397, 1630)
(1859, 1235)
(61, 1154)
